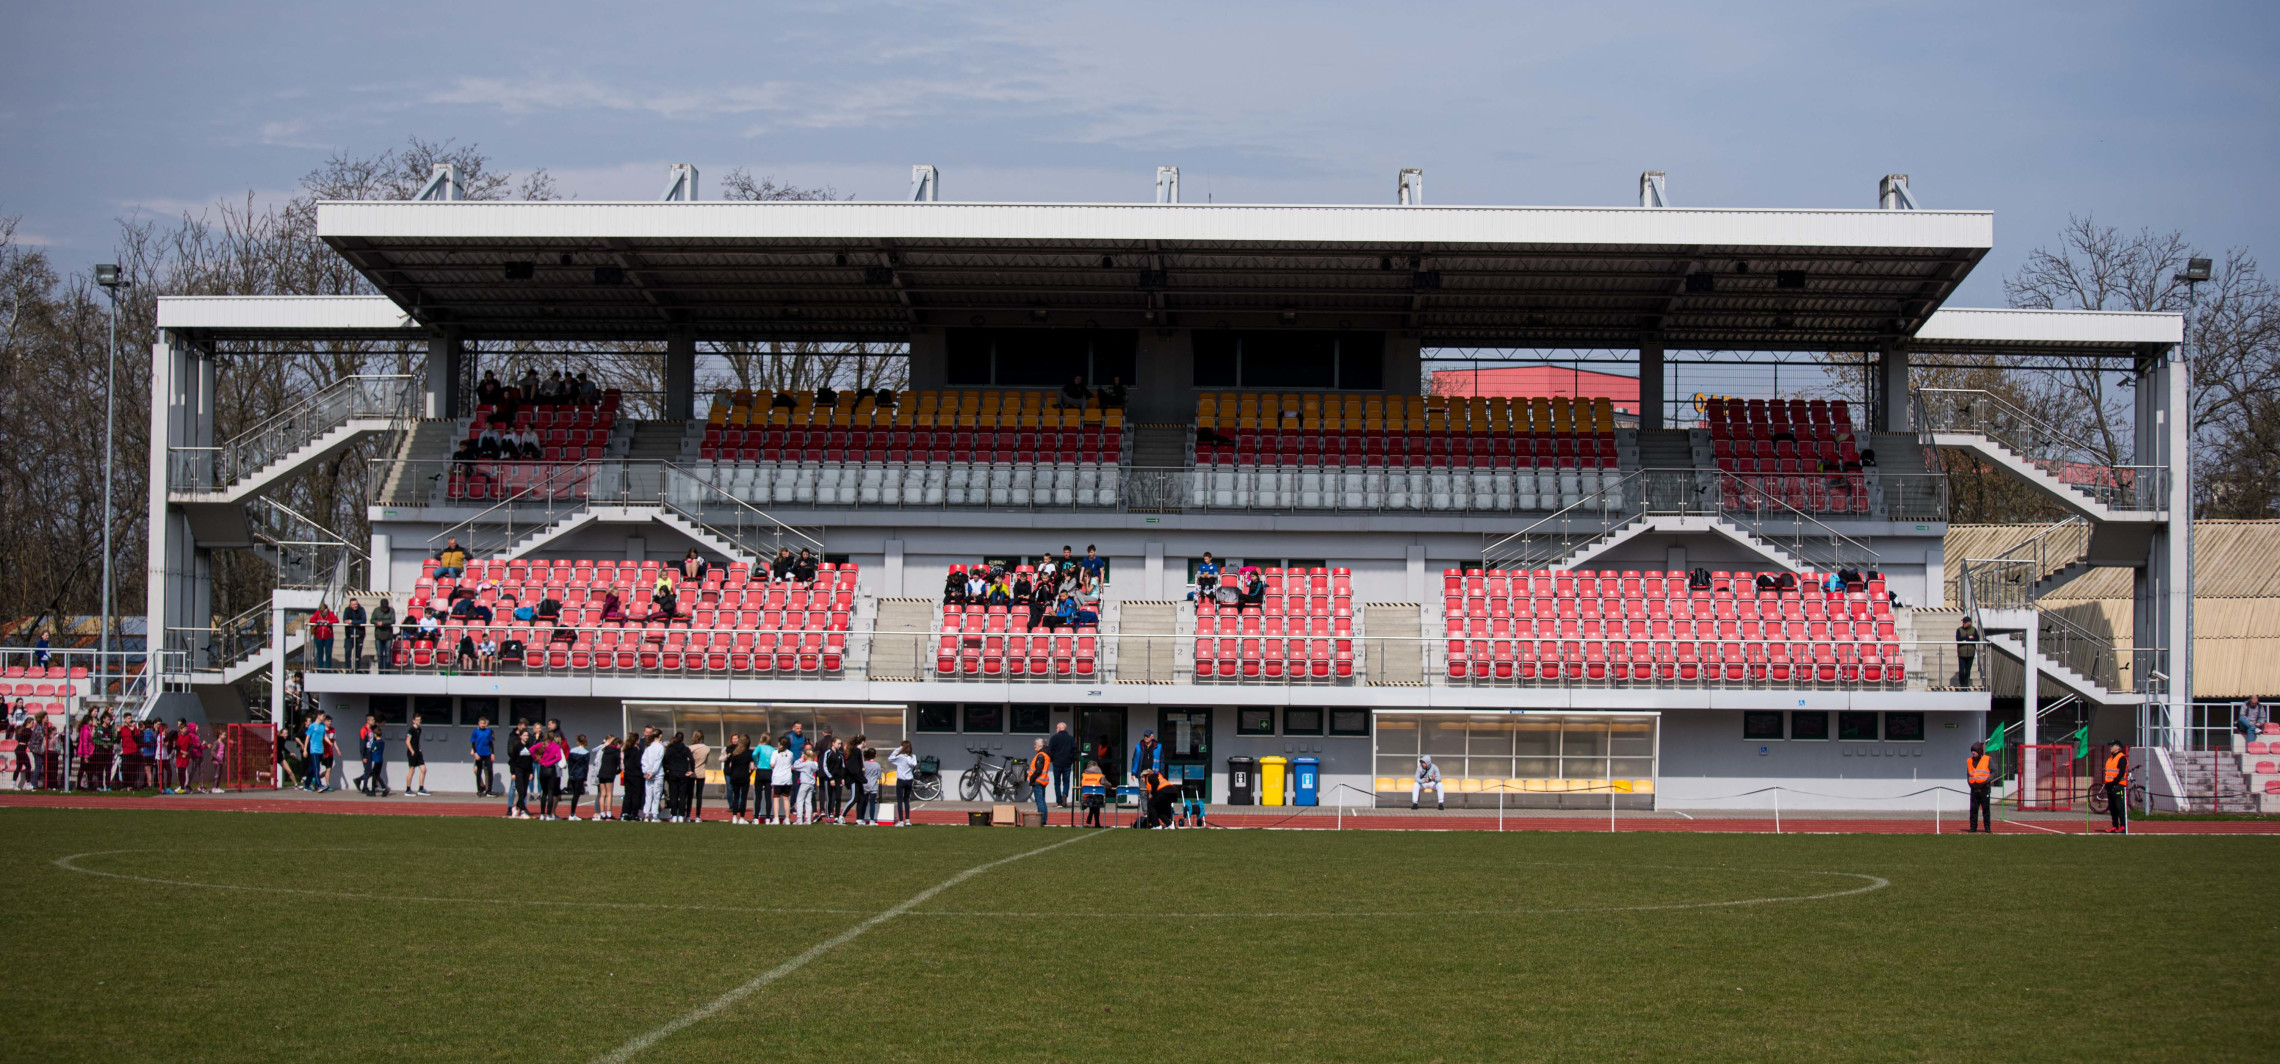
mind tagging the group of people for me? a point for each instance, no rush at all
(1075, 395)
(786, 779)
(110, 752)
(528, 390)
(1058, 592)
(1229, 587)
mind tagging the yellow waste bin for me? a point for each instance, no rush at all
(1274, 778)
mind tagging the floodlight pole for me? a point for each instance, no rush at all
(108, 277)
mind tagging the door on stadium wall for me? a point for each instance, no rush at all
(1101, 731)
(1186, 735)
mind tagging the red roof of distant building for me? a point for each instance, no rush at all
(1529, 382)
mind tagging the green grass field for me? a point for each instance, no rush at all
(300, 937)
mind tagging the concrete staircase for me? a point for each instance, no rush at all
(1147, 640)
(1160, 447)
(899, 639)
(1393, 645)
(2012, 646)
(1665, 449)
(2212, 781)
(419, 466)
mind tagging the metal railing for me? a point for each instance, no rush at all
(1382, 661)
(1679, 492)
(758, 532)
(306, 554)
(2079, 466)
(544, 493)
(2008, 580)
(217, 468)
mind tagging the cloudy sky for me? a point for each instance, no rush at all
(2160, 115)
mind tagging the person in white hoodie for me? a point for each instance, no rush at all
(1428, 775)
(780, 780)
(652, 779)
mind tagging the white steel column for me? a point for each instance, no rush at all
(1892, 399)
(277, 660)
(442, 382)
(2162, 599)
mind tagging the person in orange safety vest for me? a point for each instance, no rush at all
(2115, 776)
(1979, 772)
(1040, 775)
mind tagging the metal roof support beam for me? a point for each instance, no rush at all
(925, 184)
(442, 185)
(1892, 193)
(441, 391)
(1167, 184)
(680, 372)
(1651, 398)
(2164, 585)
(1892, 413)
(1651, 190)
(1411, 191)
(682, 186)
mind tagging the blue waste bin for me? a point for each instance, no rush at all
(1306, 780)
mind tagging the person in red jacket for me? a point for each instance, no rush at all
(321, 635)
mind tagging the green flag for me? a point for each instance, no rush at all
(1995, 738)
(2081, 738)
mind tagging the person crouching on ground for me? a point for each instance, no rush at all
(1163, 793)
(1092, 792)
(1428, 775)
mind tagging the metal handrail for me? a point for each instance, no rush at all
(1527, 558)
(215, 468)
(711, 491)
(2121, 486)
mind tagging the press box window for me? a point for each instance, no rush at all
(1032, 720)
(938, 717)
(433, 709)
(1254, 722)
(1762, 725)
(1039, 358)
(1349, 722)
(1347, 361)
(1856, 727)
(1903, 727)
(389, 709)
(1809, 726)
(1302, 721)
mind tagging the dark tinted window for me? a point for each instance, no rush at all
(937, 717)
(1254, 722)
(985, 717)
(1215, 360)
(969, 358)
(391, 709)
(1298, 721)
(1349, 722)
(1361, 361)
(1813, 725)
(1039, 358)
(1903, 727)
(433, 709)
(1856, 726)
(1290, 360)
(1765, 725)
(1032, 720)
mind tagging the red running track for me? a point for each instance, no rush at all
(1313, 821)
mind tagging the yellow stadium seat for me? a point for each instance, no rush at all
(1468, 785)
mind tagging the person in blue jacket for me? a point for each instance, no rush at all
(1148, 756)
(763, 767)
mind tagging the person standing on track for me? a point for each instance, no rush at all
(547, 755)
(479, 746)
(806, 768)
(763, 778)
(519, 771)
(631, 777)
(781, 777)
(1040, 773)
(415, 761)
(609, 762)
(906, 776)
(1063, 748)
(652, 774)
(1428, 776)
(2116, 778)
(574, 766)
(1979, 772)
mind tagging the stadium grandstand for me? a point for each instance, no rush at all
(1559, 588)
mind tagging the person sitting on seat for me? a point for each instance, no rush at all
(529, 446)
(488, 444)
(977, 586)
(1113, 395)
(884, 399)
(1428, 776)
(1023, 591)
(694, 566)
(803, 567)
(954, 588)
(613, 608)
(1254, 590)
(451, 564)
(1074, 395)
(780, 569)
(783, 401)
(466, 658)
(826, 395)
(487, 392)
(664, 596)
(1001, 592)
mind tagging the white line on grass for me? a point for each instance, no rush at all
(712, 1008)
(2037, 827)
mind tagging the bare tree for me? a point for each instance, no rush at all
(800, 366)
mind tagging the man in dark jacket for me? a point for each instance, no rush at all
(383, 633)
(1062, 748)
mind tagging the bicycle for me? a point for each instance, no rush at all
(926, 783)
(2098, 803)
(1002, 783)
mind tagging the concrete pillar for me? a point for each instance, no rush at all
(1415, 556)
(680, 373)
(929, 358)
(178, 573)
(1892, 413)
(1651, 388)
(1404, 362)
(891, 581)
(1152, 578)
(381, 563)
(1165, 366)
(442, 381)
(277, 673)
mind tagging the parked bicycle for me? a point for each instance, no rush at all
(926, 783)
(999, 783)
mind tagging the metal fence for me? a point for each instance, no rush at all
(216, 468)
